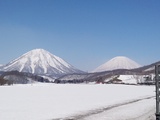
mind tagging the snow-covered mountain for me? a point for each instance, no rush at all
(119, 62)
(41, 62)
(1, 65)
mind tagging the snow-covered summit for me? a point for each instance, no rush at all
(120, 62)
(40, 61)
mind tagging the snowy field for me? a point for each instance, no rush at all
(77, 101)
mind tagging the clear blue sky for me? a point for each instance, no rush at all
(85, 33)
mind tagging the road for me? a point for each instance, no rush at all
(138, 109)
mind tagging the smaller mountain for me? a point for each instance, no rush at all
(120, 62)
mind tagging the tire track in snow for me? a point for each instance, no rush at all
(150, 115)
(97, 111)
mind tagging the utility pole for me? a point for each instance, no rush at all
(157, 85)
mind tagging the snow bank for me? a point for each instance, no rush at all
(130, 79)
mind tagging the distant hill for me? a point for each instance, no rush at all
(15, 77)
(106, 75)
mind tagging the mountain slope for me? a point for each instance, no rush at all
(1, 66)
(119, 62)
(41, 62)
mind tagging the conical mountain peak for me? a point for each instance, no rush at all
(41, 62)
(119, 62)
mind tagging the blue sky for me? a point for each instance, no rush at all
(85, 33)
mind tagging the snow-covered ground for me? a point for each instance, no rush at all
(55, 101)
